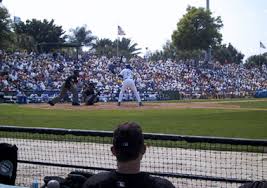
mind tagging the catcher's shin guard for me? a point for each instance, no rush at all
(91, 99)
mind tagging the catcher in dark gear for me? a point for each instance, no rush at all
(90, 94)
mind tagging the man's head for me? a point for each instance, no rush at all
(128, 67)
(91, 85)
(76, 72)
(128, 142)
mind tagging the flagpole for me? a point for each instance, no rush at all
(120, 32)
(118, 46)
(260, 55)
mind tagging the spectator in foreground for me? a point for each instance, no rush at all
(255, 184)
(128, 148)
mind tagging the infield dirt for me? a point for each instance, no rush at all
(134, 106)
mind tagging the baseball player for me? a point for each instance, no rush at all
(90, 94)
(127, 76)
(70, 84)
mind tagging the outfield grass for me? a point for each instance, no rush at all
(250, 104)
(244, 123)
(227, 100)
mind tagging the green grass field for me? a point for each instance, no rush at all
(250, 121)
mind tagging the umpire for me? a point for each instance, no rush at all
(70, 84)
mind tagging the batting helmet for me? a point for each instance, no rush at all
(128, 67)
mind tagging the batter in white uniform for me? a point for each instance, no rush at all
(128, 82)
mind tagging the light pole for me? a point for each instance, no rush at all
(209, 48)
(208, 4)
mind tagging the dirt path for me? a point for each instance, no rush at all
(134, 106)
(147, 106)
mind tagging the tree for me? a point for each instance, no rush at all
(256, 60)
(228, 54)
(82, 36)
(168, 52)
(157, 55)
(104, 47)
(25, 42)
(108, 48)
(41, 31)
(197, 30)
(126, 47)
(5, 28)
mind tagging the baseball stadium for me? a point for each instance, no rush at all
(65, 99)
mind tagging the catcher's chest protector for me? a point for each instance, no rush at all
(8, 163)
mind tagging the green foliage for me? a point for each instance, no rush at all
(189, 54)
(81, 36)
(25, 42)
(257, 60)
(228, 54)
(104, 47)
(41, 31)
(197, 30)
(108, 48)
(168, 52)
(5, 28)
(158, 55)
(126, 47)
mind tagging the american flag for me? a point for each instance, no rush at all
(262, 45)
(120, 31)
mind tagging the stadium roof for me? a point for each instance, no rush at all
(60, 45)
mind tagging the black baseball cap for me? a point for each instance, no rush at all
(128, 67)
(76, 72)
(128, 141)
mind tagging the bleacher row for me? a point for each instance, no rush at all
(186, 78)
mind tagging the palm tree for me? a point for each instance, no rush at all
(82, 36)
(127, 48)
(104, 47)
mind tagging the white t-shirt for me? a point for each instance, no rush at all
(126, 74)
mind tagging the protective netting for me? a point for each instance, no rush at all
(186, 161)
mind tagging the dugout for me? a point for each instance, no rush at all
(2, 97)
(261, 93)
(169, 95)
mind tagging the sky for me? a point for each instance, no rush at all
(150, 23)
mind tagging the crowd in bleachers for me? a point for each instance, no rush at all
(32, 72)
